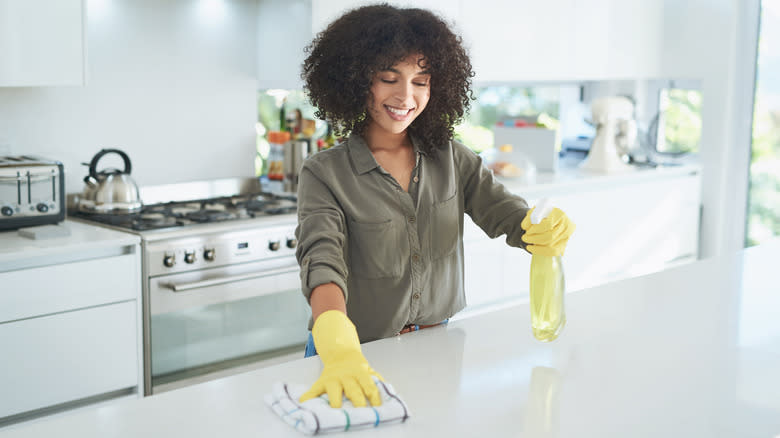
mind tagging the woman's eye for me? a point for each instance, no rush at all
(388, 81)
(421, 84)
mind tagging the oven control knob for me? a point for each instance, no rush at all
(209, 254)
(189, 257)
(7, 211)
(41, 207)
(169, 260)
(274, 245)
(292, 243)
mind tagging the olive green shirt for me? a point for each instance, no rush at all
(397, 255)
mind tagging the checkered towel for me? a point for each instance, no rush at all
(315, 416)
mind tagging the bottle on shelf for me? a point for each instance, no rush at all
(276, 140)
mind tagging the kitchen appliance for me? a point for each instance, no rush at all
(110, 190)
(616, 133)
(220, 281)
(32, 191)
(530, 142)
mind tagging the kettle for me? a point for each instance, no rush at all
(110, 190)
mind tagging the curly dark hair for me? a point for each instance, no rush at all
(343, 59)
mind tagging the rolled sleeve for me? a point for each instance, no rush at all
(321, 235)
(491, 206)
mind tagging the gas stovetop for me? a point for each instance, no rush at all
(199, 211)
(186, 205)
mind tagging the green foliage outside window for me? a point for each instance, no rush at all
(681, 127)
(763, 221)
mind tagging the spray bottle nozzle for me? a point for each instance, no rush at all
(543, 208)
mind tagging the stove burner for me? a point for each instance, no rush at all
(202, 216)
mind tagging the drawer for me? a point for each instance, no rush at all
(69, 356)
(57, 288)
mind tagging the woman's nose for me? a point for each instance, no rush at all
(405, 89)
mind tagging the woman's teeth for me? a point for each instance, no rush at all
(398, 111)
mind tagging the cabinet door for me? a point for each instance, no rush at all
(483, 265)
(68, 356)
(283, 31)
(635, 38)
(630, 230)
(516, 40)
(41, 42)
(69, 286)
(562, 40)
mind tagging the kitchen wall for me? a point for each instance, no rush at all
(172, 83)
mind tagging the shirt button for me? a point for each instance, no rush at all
(411, 219)
(415, 258)
(416, 296)
(416, 179)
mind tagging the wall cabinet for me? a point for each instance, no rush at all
(509, 41)
(42, 43)
(623, 230)
(563, 40)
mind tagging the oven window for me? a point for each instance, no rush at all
(196, 341)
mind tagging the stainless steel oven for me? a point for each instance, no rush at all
(221, 287)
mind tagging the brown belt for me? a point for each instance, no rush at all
(414, 327)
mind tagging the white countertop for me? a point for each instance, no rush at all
(17, 252)
(692, 351)
(571, 178)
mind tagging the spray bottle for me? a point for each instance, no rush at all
(547, 287)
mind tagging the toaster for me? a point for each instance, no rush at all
(32, 192)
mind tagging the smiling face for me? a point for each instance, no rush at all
(398, 95)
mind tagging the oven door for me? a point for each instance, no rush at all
(207, 322)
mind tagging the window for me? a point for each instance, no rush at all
(763, 216)
(679, 121)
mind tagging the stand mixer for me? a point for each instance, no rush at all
(616, 132)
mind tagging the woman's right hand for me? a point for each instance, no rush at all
(345, 369)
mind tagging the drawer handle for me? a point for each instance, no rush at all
(183, 287)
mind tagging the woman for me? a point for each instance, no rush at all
(380, 216)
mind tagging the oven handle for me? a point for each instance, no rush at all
(183, 287)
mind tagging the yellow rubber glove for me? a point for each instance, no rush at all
(344, 367)
(548, 237)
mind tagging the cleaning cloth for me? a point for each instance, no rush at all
(315, 416)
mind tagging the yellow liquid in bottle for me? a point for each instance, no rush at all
(547, 290)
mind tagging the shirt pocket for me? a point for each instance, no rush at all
(444, 227)
(374, 250)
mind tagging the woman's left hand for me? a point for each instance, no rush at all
(548, 237)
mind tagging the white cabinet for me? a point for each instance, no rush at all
(42, 43)
(283, 31)
(624, 229)
(70, 321)
(508, 40)
(562, 40)
(68, 356)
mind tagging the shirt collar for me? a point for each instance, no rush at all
(363, 158)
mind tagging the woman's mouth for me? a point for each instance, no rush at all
(398, 114)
